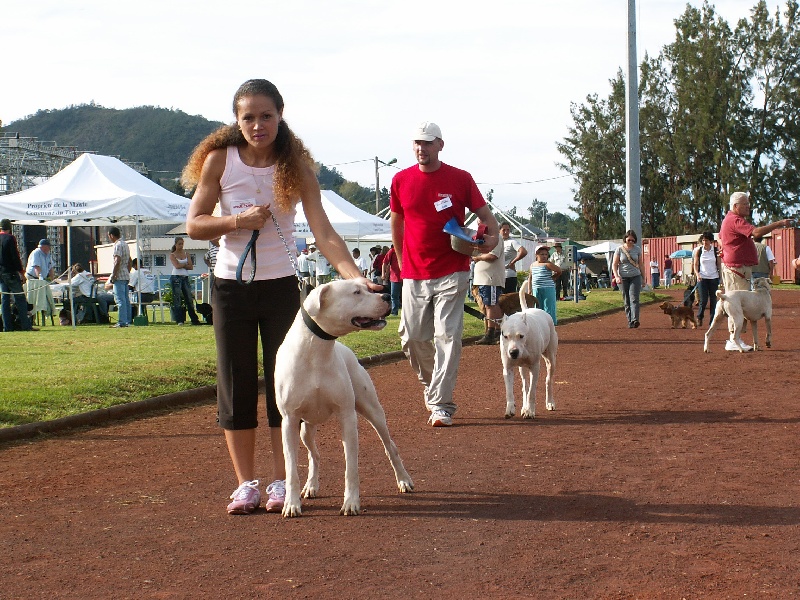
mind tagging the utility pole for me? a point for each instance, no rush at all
(378, 163)
(633, 189)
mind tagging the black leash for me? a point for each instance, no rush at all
(251, 250)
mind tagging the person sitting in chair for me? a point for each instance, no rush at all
(142, 281)
(82, 284)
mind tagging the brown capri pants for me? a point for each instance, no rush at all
(241, 312)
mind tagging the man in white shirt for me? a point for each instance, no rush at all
(83, 285)
(142, 281)
(323, 269)
(304, 266)
(361, 262)
(559, 259)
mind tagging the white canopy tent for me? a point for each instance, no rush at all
(348, 220)
(605, 248)
(96, 190)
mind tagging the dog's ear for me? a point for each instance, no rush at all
(317, 298)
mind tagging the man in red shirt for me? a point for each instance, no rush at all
(435, 277)
(739, 252)
(738, 248)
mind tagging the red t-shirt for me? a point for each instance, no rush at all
(426, 248)
(377, 264)
(394, 267)
(738, 248)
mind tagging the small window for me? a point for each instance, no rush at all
(160, 260)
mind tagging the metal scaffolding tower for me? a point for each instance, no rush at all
(27, 161)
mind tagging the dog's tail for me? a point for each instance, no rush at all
(721, 295)
(523, 289)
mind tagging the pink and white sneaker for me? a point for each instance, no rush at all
(246, 498)
(277, 494)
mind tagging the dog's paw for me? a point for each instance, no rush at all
(291, 510)
(550, 405)
(405, 486)
(527, 414)
(351, 508)
(511, 409)
(309, 491)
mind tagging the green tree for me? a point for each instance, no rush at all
(537, 213)
(563, 226)
(594, 152)
(771, 49)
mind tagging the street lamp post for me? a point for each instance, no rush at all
(378, 163)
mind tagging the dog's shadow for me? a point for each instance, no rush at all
(546, 418)
(584, 507)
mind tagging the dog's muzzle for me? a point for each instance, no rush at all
(371, 323)
(514, 353)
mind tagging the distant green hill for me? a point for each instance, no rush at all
(160, 138)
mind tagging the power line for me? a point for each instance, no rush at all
(525, 182)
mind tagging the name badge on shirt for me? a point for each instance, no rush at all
(241, 205)
(443, 203)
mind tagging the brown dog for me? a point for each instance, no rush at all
(679, 314)
(508, 303)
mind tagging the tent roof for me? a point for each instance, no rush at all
(602, 248)
(100, 189)
(347, 219)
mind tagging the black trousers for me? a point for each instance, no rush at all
(242, 314)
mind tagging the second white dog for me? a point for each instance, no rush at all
(744, 304)
(316, 378)
(526, 338)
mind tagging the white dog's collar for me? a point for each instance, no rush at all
(312, 325)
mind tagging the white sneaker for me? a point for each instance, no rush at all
(440, 418)
(732, 346)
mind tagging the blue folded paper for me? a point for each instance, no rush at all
(453, 228)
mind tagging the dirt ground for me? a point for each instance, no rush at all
(663, 473)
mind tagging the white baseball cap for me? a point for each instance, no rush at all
(427, 132)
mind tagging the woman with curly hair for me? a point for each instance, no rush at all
(254, 172)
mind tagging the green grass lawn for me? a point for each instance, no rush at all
(60, 371)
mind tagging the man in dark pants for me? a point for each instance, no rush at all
(562, 281)
(12, 275)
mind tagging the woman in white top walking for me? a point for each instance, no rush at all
(707, 266)
(179, 281)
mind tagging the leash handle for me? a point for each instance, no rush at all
(251, 250)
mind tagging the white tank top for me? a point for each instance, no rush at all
(239, 191)
(182, 269)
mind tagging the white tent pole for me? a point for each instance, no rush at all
(139, 264)
(69, 275)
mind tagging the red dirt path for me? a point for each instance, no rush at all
(646, 482)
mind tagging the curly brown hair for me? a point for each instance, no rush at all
(292, 154)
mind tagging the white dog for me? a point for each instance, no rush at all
(333, 383)
(744, 304)
(526, 338)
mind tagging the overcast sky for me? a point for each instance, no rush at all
(356, 75)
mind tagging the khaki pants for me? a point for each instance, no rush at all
(731, 281)
(431, 326)
(734, 281)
